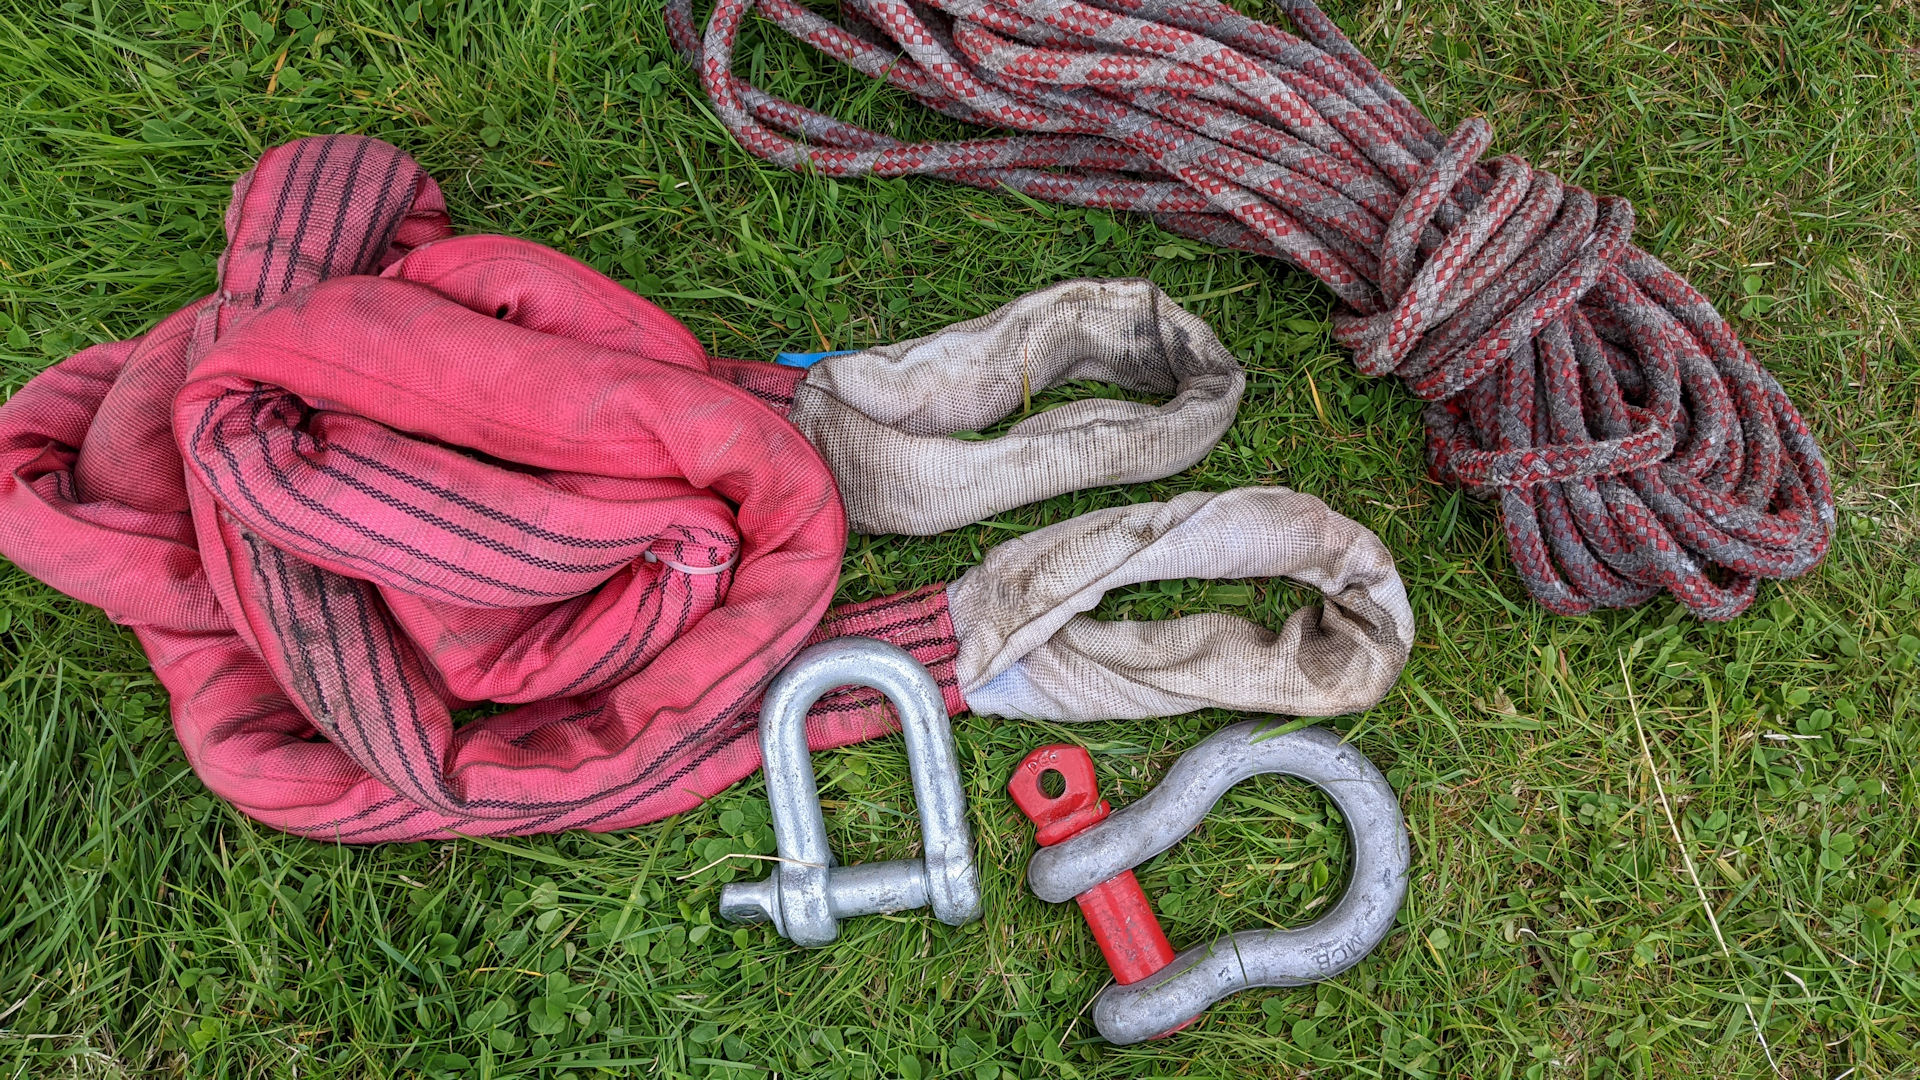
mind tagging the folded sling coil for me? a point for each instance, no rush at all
(385, 473)
(1634, 444)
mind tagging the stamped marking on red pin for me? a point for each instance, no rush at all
(1117, 909)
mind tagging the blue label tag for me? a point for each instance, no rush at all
(808, 359)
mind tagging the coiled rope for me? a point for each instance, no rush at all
(1634, 443)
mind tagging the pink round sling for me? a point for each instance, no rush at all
(385, 473)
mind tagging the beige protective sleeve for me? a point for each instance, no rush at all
(885, 417)
(1027, 651)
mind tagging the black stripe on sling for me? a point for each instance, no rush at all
(306, 214)
(279, 213)
(348, 192)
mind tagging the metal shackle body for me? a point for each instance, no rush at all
(1196, 978)
(807, 895)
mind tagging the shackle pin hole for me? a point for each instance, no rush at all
(1053, 783)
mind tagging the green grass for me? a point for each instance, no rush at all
(1552, 928)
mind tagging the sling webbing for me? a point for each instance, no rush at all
(1634, 444)
(1027, 648)
(882, 416)
(385, 472)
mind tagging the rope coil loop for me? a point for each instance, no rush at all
(1634, 444)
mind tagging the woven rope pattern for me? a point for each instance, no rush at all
(1634, 444)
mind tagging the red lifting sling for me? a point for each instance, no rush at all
(385, 473)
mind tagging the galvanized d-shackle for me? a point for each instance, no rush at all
(807, 895)
(1087, 853)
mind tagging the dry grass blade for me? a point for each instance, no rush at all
(1686, 857)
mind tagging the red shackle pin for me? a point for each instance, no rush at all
(1116, 910)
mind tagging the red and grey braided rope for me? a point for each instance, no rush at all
(1634, 443)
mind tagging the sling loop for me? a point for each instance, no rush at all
(882, 417)
(1027, 648)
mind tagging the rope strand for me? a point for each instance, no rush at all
(1634, 444)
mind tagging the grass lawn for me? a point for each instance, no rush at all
(1554, 927)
